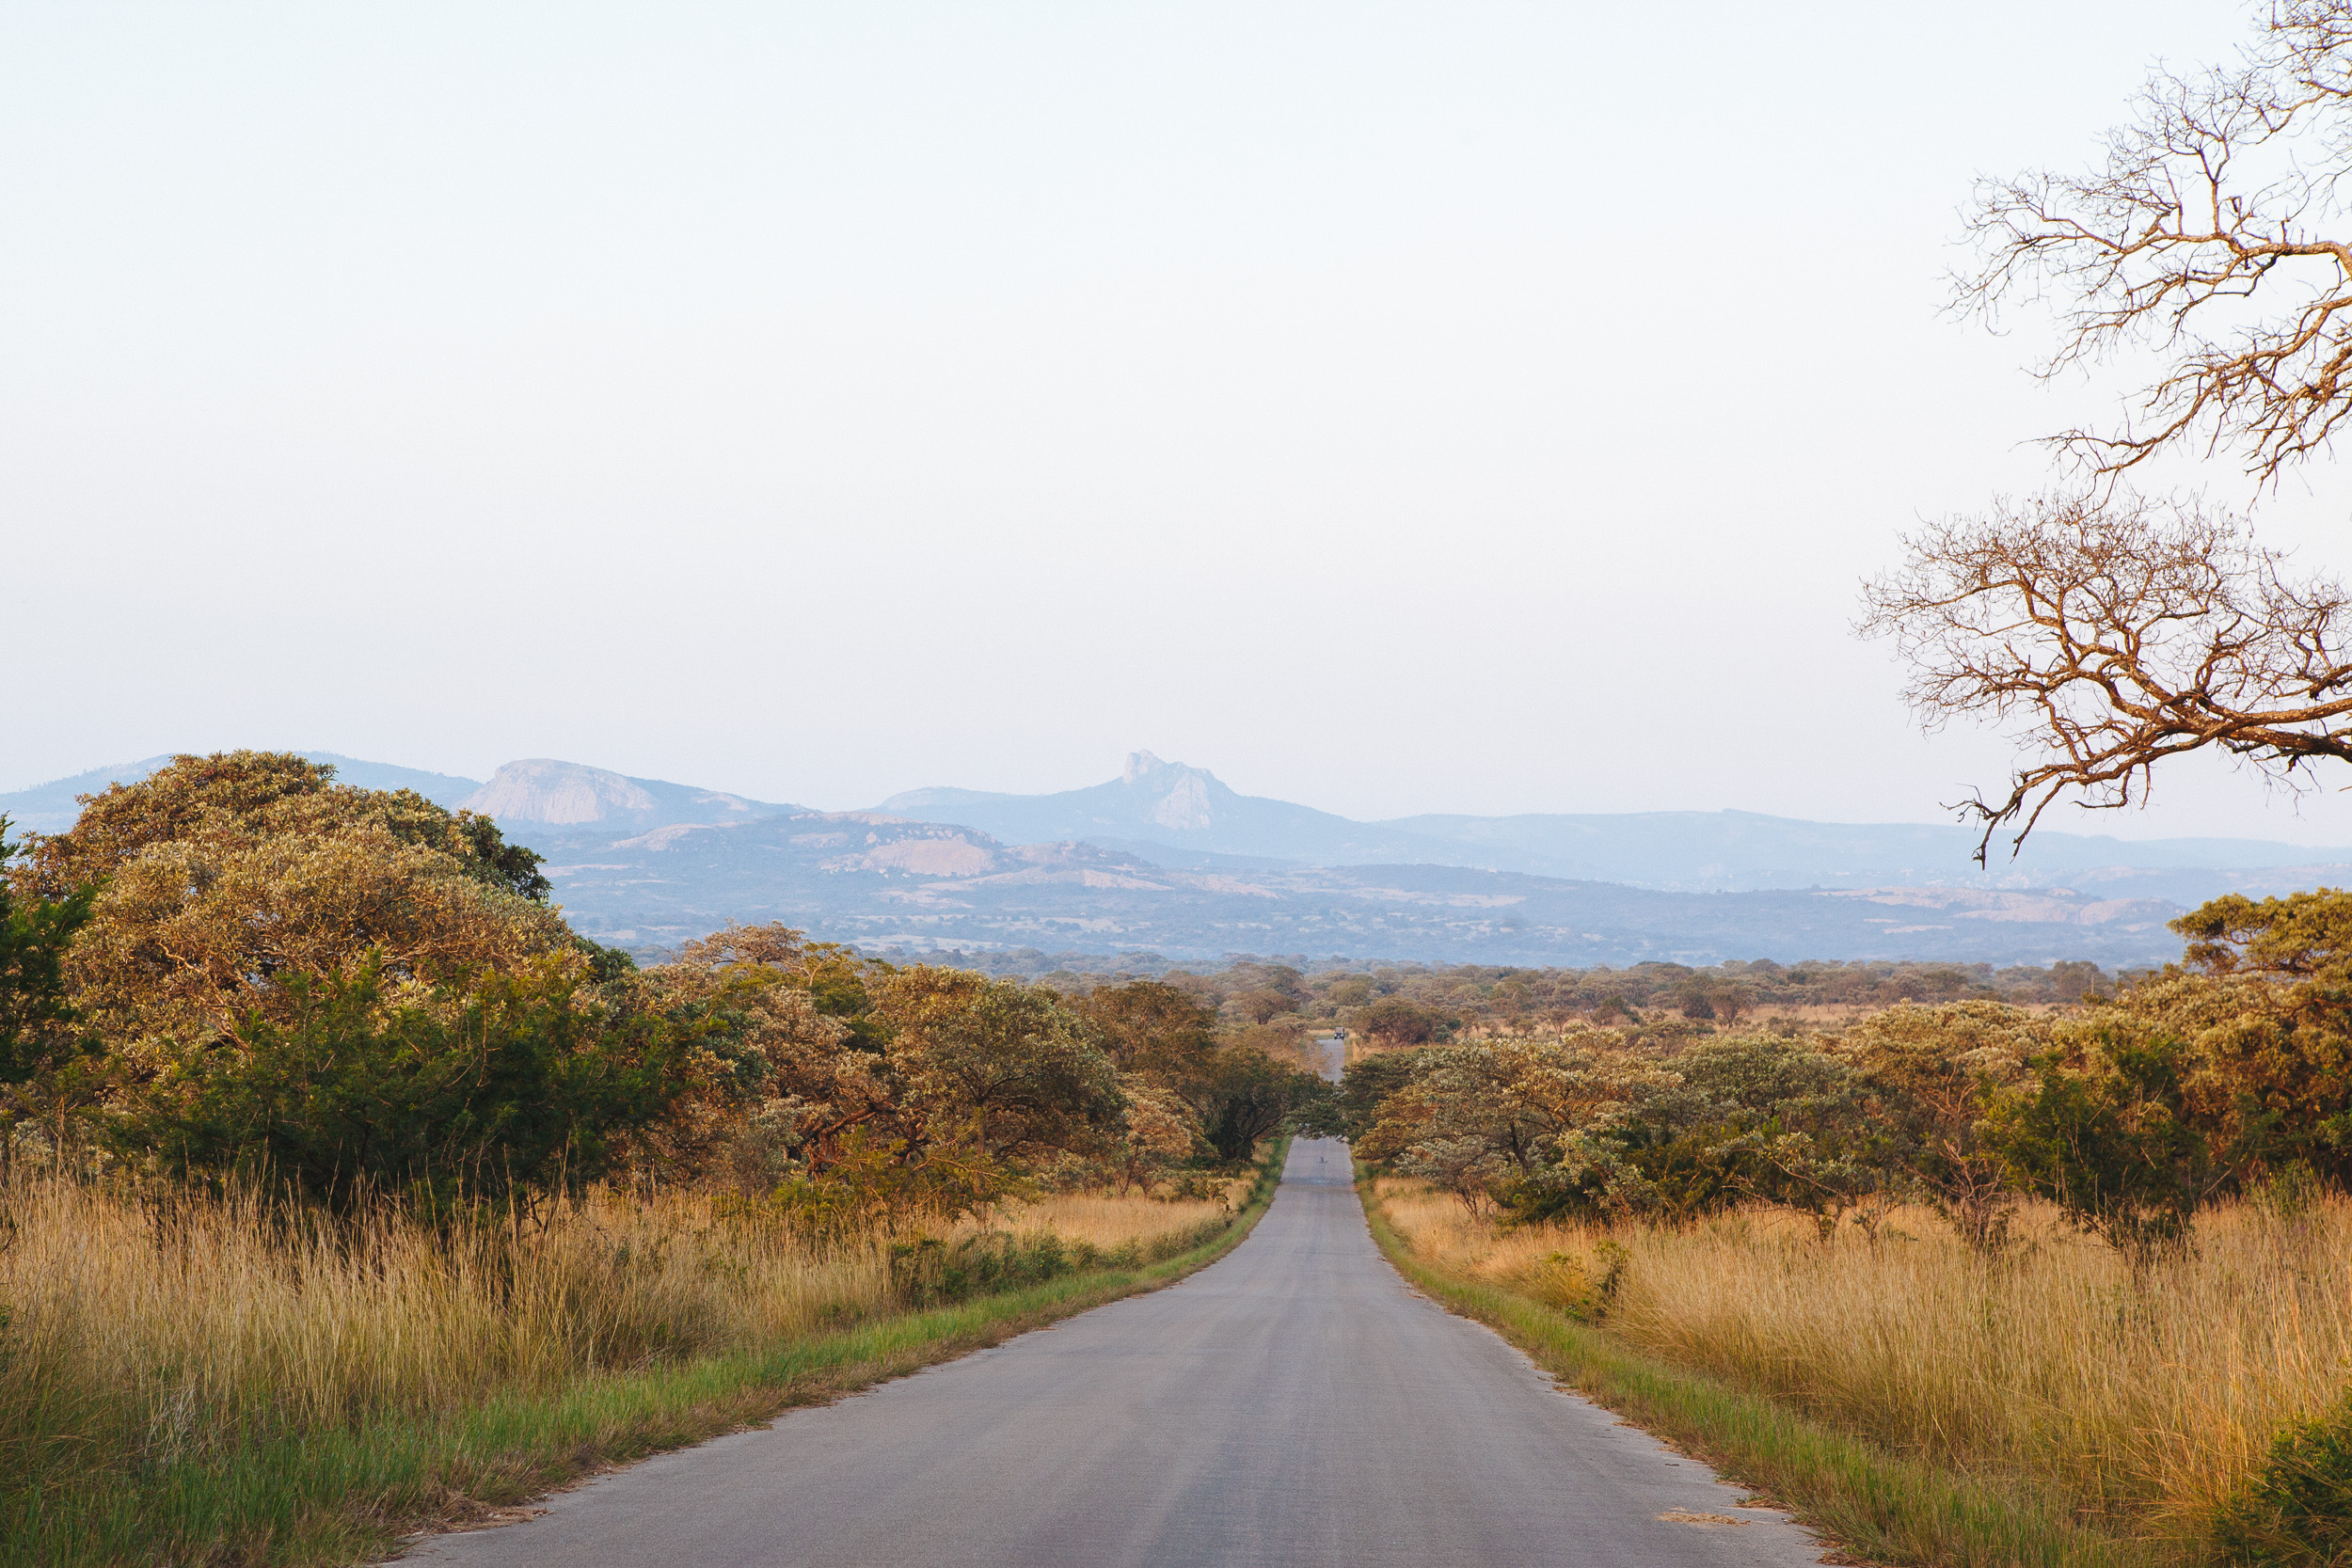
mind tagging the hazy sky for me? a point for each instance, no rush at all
(1397, 408)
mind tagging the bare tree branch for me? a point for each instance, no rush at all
(2112, 633)
(2215, 234)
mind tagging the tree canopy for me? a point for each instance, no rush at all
(222, 877)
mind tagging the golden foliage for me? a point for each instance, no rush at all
(224, 876)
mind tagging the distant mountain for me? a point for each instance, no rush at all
(1155, 803)
(539, 795)
(885, 882)
(1168, 804)
(1167, 858)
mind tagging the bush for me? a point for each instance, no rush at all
(2296, 1509)
(484, 1089)
(1584, 1288)
(2111, 1140)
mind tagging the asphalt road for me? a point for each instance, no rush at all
(1295, 1405)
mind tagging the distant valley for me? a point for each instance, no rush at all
(1167, 858)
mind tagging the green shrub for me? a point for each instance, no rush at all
(2296, 1509)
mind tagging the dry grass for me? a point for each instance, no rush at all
(2143, 1399)
(1112, 1224)
(145, 1330)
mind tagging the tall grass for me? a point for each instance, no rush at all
(2141, 1398)
(143, 1330)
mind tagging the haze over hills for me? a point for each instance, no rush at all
(886, 881)
(1157, 805)
(1168, 857)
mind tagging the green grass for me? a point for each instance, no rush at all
(347, 1495)
(1878, 1506)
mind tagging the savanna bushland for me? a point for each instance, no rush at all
(344, 1189)
(2101, 1251)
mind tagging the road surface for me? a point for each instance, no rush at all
(1295, 1406)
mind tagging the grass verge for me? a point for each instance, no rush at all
(1878, 1506)
(348, 1496)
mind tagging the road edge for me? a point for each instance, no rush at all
(914, 1341)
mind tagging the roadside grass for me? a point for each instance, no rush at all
(1871, 1501)
(2143, 1399)
(270, 1472)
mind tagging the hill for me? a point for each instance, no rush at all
(1168, 857)
(885, 882)
(542, 794)
(1155, 806)
(1170, 804)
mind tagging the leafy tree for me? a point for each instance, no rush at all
(838, 981)
(266, 793)
(1541, 1125)
(1367, 1085)
(1245, 1095)
(1151, 1027)
(1003, 1059)
(1928, 1077)
(1159, 1130)
(2106, 1133)
(37, 1040)
(226, 877)
(2264, 1011)
(2295, 1510)
(1260, 1004)
(508, 1085)
(786, 1087)
(1394, 1021)
(1236, 1090)
(1802, 1136)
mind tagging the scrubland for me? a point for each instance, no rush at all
(165, 1326)
(353, 1192)
(2142, 1398)
(166, 1333)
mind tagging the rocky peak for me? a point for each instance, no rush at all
(1179, 797)
(541, 789)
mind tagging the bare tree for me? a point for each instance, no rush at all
(2111, 633)
(2214, 234)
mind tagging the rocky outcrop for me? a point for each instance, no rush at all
(561, 794)
(542, 793)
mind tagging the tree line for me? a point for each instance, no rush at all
(1404, 1004)
(2230, 1073)
(239, 968)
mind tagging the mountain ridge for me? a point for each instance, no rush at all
(1188, 809)
(1168, 857)
(888, 882)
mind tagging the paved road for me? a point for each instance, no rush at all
(1297, 1405)
(1334, 1050)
